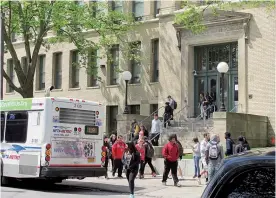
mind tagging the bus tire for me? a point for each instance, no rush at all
(4, 180)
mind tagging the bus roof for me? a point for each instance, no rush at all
(37, 103)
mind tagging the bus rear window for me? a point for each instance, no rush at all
(91, 130)
(16, 127)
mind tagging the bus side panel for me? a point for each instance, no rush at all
(22, 160)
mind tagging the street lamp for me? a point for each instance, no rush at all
(126, 77)
(222, 68)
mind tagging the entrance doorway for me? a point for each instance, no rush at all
(207, 78)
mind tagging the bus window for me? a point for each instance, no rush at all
(2, 126)
(16, 127)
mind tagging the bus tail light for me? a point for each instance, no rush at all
(48, 153)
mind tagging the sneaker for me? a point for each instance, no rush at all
(206, 180)
(164, 183)
(177, 184)
(153, 174)
(131, 196)
(194, 176)
(121, 177)
(113, 174)
(170, 177)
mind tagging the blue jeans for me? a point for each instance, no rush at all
(197, 168)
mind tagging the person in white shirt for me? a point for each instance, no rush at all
(196, 156)
(203, 146)
(155, 130)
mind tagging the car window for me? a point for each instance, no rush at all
(253, 183)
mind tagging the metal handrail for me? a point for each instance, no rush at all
(165, 123)
(150, 115)
(204, 111)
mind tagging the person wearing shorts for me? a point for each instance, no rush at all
(203, 146)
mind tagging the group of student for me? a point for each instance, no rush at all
(210, 151)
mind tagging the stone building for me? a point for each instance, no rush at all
(174, 62)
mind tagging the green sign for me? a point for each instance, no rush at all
(11, 105)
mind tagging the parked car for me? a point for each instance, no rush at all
(246, 175)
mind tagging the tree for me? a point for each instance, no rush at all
(193, 16)
(71, 21)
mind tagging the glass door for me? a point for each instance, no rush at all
(234, 93)
(200, 87)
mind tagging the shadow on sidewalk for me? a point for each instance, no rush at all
(103, 186)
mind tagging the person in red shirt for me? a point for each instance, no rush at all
(141, 149)
(170, 153)
(118, 150)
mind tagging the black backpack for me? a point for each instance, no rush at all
(175, 104)
(150, 150)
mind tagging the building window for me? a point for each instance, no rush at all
(112, 119)
(135, 63)
(153, 108)
(24, 64)
(75, 70)
(114, 65)
(155, 58)
(40, 73)
(57, 70)
(208, 57)
(117, 6)
(16, 127)
(92, 68)
(138, 9)
(10, 72)
(134, 109)
(156, 5)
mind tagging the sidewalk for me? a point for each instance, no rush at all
(147, 187)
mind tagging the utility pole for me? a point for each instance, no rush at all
(1, 50)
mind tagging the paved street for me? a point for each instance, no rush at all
(99, 187)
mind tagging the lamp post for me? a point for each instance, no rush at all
(222, 68)
(126, 77)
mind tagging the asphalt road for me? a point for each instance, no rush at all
(42, 190)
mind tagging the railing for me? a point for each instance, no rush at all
(141, 122)
(204, 117)
(237, 106)
(165, 124)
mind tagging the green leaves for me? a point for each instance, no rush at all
(192, 17)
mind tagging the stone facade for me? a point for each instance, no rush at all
(252, 29)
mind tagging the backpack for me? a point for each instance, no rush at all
(239, 149)
(180, 149)
(175, 104)
(150, 151)
(213, 152)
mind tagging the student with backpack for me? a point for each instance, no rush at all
(230, 144)
(149, 155)
(173, 104)
(242, 145)
(141, 149)
(214, 155)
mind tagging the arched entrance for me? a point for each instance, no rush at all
(207, 78)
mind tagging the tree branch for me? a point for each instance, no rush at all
(9, 81)
(17, 65)
(25, 34)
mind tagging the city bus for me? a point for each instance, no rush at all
(52, 139)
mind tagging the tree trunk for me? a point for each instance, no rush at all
(28, 90)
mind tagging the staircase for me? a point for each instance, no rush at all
(187, 129)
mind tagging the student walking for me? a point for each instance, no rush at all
(131, 161)
(155, 130)
(107, 156)
(118, 150)
(141, 149)
(112, 141)
(230, 144)
(149, 150)
(196, 156)
(167, 114)
(203, 146)
(170, 153)
(214, 156)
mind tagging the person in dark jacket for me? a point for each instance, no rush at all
(131, 161)
(242, 145)
(229, 144)
(112, 140)
(167, 114)
(108, 154)
(170, 153)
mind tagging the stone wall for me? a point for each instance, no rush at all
(253, 127)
